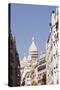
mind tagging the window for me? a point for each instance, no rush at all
(54, 67)
(43, 61)
(51, 47)
(51, 59)
(48, 75)
(29, 65)
(54, 31)
(55, 72)
(57, 35)
(52, 72)
(27, 76)
(54, 55)
(56, 52)
(56, 25)
(54, 43)
(41, 68)
(57, 81)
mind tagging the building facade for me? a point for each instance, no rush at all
(41, 67)
(52, 55)
(14, 76)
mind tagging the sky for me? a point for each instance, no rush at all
(29, 21)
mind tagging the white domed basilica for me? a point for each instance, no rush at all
(30, 73)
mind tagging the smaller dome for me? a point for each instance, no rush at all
(24, 58)
(33, 46)
(29, 57)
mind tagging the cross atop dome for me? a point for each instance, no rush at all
(32, 38)
(33, 46)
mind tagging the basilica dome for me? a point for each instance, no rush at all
(33, 46)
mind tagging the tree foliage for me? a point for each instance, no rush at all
(34, 82)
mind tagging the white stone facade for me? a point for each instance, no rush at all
(52, 55)
(41, 67)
